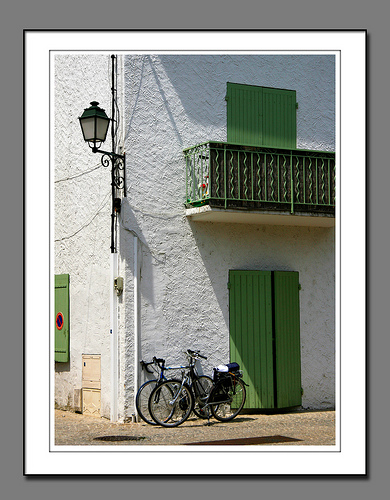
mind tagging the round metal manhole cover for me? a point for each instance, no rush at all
(119, 438)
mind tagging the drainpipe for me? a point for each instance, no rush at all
(114, 338)
(136, 324)
(136, 339)
(113, 273)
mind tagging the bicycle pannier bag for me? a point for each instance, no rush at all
(233, 367)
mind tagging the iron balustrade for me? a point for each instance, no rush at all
(235, 176)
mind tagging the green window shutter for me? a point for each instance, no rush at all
(261, 116)
(61, 318)
(250, 314)
(244, 114)
(279, 118)
(287, 339)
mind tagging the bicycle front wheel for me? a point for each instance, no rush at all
(170, 403)
(227, 401)
(142, 401)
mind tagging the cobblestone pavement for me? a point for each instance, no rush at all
(298, 428)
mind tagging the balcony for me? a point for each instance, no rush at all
(234, 183)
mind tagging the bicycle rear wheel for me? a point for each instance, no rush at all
(227, 400)
(142, 401)
(201, 387)
(170, 403)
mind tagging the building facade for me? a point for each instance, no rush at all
(225, 237)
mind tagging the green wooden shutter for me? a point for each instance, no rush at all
(287, 339)
(244, 114)
(279, 118)
(61, 318)
(250, 311)
(261, 116)
(264, 327)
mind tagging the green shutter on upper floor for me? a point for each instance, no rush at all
(261, 116)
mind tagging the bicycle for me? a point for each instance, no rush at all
(228, 395)
(171, 403)
(144, 392)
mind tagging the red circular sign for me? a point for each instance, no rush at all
(59, 321)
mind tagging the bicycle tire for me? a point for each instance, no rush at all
(226, 403)
(163, 407)
(204, 385)
(142, 401)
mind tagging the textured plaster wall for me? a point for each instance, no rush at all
(174, 102)
(82, 210)
(170, 103)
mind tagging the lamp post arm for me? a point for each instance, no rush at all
(111, 154)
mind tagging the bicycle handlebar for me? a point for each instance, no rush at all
(195, 354)
(159, 360)
(156, 361)
(144, 366)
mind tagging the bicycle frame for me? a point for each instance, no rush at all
(162, 368)
(189, 378)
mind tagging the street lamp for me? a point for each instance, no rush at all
(94, 125)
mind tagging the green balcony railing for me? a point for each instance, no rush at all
(234, 176)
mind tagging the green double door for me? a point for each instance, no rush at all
(265, 336)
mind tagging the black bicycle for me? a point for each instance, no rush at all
(203, 382)
(172, 401)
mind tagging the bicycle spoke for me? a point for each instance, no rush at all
(170, 404)
(142, 401)
(202, 387)
(228, 399)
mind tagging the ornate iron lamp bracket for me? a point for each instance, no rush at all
(118, 182)
(118, 163)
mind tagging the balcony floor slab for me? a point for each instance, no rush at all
(212, 214)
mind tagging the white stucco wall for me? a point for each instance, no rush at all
(170, 103)
(82, 207)
(174, 102)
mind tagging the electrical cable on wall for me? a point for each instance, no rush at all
(88, 223)
(78, 175)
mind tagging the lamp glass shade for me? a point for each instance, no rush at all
(94, 123)
(101, 128)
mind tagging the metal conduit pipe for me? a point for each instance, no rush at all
(114, 339)
(136, 324)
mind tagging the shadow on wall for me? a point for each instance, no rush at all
(62, 367)
(149, 64)
(129, 228)
(148, 262)
(211, 250)
(249, 247)
(234, 246)
(200, 83)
